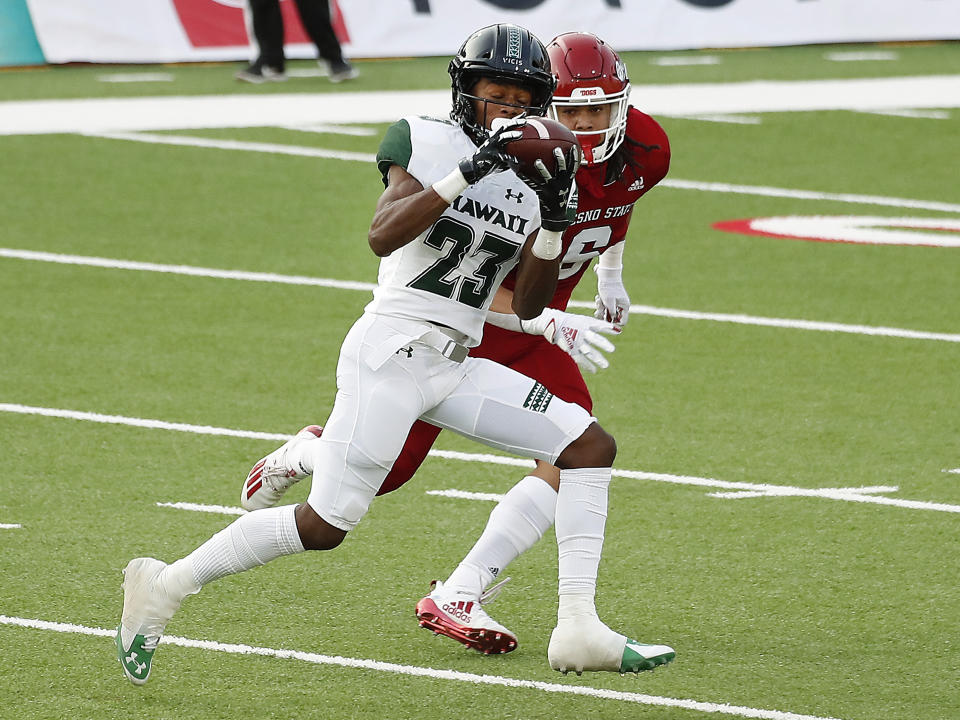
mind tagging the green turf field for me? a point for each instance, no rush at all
(824, 584)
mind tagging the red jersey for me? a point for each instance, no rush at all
(604, 206)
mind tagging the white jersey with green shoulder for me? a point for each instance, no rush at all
(449, 274)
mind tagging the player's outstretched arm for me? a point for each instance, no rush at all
(577, 335)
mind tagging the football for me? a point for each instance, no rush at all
(540, 136)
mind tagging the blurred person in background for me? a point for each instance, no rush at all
(265, 19)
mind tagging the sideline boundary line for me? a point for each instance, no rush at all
(739, 319)
(851, 494)
(421, 671)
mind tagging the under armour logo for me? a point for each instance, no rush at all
(509, 195)
(407, 350)
(132, 658)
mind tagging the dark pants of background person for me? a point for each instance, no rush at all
(268, 30)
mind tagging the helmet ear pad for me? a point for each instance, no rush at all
(505, 53)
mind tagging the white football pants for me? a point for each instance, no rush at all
(391, 373)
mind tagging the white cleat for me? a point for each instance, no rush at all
(462, 618)
(147, 608)
(586, 644)
(273, 475)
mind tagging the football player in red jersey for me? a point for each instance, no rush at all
(626, 153)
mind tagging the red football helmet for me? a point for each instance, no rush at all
(589, 72)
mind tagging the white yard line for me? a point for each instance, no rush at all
(913, 114)
(685, 60)
(853, 198)
(420, 671)
(114, 264)
(862, 495)
(132, 77)
(139, 422)
(861, 56)
(202, 142)
(760, 190)
(787, 323)
(331, 129)
(729, 118)
(10, 526)
(80, 115)
(466, 495)
(197, 507)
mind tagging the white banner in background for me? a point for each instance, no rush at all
(186, 30)
(437, 27)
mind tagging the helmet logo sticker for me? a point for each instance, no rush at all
(513, 42)
(621, 70)
(587, 92)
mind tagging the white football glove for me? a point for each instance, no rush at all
(577, 335)
(613, 303)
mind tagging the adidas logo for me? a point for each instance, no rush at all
(636, 185)
(460, 609)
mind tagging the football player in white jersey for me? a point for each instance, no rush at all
(453, 220)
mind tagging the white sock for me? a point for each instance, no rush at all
(251, 540)
(581, 517)
(517, 522)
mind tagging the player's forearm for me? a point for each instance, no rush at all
(501, 311)
(535, 286)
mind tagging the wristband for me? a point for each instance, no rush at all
(450, 187)
(611, 258)
(608, 274)
(547, 245)
(543, 324)
(506, 321)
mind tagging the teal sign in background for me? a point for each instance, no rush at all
(18, 41)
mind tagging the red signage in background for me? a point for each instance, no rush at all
(220, 23)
